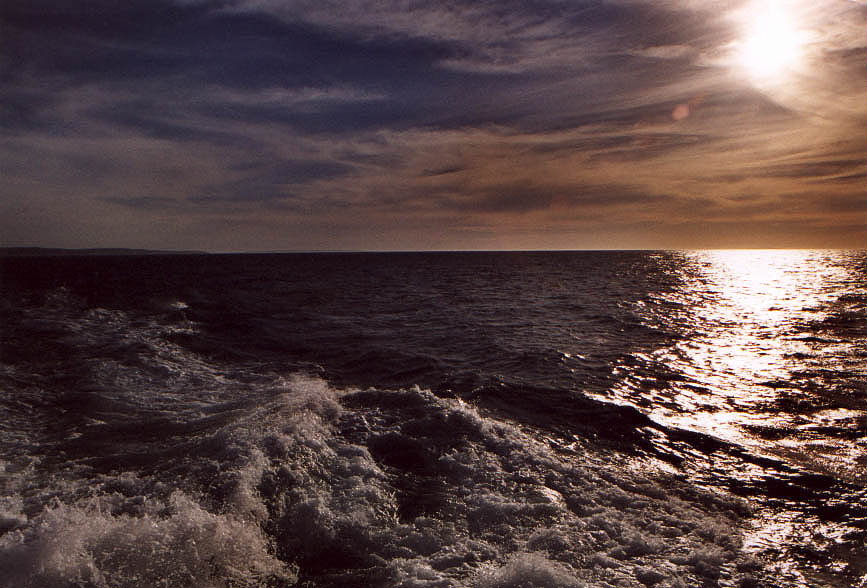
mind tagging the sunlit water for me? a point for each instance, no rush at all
(435, 420)
(763, 361)
(772, 360)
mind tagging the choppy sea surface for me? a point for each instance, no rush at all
(432, 420)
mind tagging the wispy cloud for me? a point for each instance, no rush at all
(223, 123)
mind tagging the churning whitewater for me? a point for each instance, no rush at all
(560, 419)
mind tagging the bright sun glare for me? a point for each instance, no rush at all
(772, 43)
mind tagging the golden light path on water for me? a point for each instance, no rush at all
(746, 355)
(757, 344)
(759, 297)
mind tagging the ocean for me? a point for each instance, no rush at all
(433, 420)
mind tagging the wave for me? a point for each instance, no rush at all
(157, 442)
(367, 488)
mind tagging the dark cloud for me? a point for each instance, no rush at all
(22, 109)
(813, 169)
(523, 198)
(512, 199)
(145, 202)
(443, 171)
(388, 161)
(302, 172)
(192, 46)
(146, 120)
(847, 203)
(327, 119)
(273, 182)
(94, 40)
(650, 145)
(854, 202)
(240, 50)
(859, 178)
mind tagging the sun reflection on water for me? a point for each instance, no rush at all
(765, 350)
(756, 300)
(738, 370)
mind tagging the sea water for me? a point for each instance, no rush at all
(499, 420)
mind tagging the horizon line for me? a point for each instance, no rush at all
(25, 251)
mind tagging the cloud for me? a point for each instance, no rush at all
(567, 199)
(145, 202)
(819, 204)
(858, 179)
(812, 169)
(846, 203)
(274, 183)
(160, 125)
(457, 119)
(443, 171)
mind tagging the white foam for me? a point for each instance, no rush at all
(173, 544)
(294, 479)
(529, 570)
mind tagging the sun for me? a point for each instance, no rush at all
(772, 44)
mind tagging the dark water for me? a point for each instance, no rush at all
(433, 420)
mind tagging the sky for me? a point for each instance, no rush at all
(263, 125)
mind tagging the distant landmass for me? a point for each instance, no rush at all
(54, 252)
